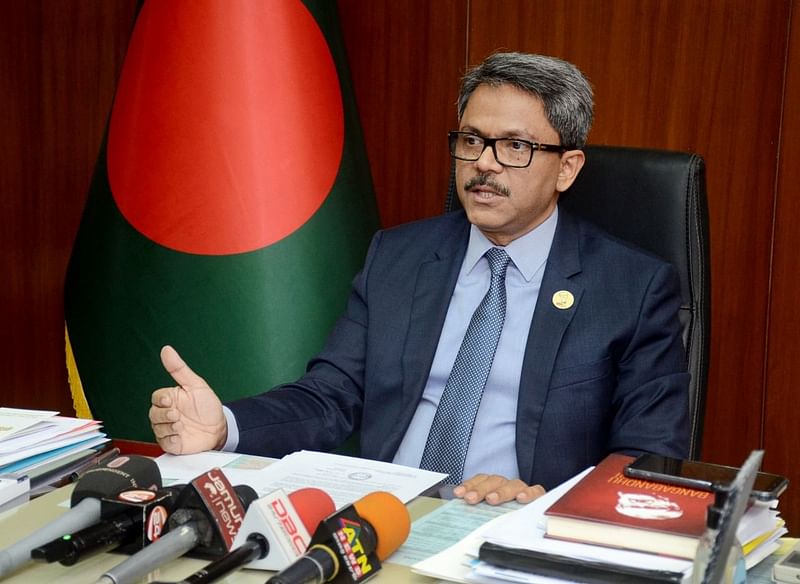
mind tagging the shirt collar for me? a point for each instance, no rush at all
(529, 252)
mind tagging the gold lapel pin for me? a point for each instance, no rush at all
(563, 299)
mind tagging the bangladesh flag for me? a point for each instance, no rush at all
(230, 208)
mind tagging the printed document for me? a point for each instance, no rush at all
(344, 478)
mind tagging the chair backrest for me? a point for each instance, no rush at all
(656, 200)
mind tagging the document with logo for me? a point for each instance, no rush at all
(344, 478)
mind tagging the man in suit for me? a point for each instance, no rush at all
(575, 350)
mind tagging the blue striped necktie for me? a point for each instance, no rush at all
(448, 440)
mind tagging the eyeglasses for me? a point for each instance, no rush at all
(511, 152)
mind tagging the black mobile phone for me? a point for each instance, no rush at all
(701, 475)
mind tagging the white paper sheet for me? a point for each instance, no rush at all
(14, 420)
(445, 526)
(50, 431)
(455, 563)
(344, 478)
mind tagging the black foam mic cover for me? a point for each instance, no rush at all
(106, 480)
(115, 476)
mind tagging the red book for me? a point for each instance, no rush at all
(607, 508)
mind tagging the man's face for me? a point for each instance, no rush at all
(511, 201)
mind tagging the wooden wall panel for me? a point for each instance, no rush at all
(782, 419)
(670, 75)
(58, 69)
(406, 59)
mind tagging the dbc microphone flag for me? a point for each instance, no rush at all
(286, 523)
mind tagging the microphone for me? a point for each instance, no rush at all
(350, 545)
(106, 480)
(207, 516)
(275, 532)
(129, 522)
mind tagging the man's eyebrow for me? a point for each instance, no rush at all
(471, 130)
(521, 134)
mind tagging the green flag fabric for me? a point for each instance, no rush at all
(230, 208)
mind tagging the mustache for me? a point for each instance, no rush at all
(483, 180)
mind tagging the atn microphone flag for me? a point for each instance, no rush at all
(230, 207)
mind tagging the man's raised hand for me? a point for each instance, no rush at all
(187, 417)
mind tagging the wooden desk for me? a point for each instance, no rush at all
(21, 521)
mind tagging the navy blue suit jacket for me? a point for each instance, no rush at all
(607, 374)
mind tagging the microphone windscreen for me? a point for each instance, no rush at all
(312, 505)
(112, 477)
(247, 494)
(388, 517)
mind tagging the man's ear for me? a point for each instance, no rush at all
(571, 164)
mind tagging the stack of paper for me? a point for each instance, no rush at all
(525, 530)
(36, 443)
(608, 508)
(759, 532)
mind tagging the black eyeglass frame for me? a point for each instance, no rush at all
(453, 135)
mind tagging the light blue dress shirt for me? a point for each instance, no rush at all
(492, 447)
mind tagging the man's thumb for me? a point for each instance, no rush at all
(178, 368)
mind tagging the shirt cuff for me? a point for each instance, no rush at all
(233, 430)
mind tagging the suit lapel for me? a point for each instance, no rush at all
(435, 281)
(544, 338)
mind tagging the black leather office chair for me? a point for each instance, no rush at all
(655, 199)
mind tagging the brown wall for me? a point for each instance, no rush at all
(717, 77)
(780, 428)
(58, 69)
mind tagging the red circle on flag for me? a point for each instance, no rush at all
(228, 128)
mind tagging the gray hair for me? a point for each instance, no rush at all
(564, 91)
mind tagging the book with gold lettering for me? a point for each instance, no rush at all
(607, 508)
